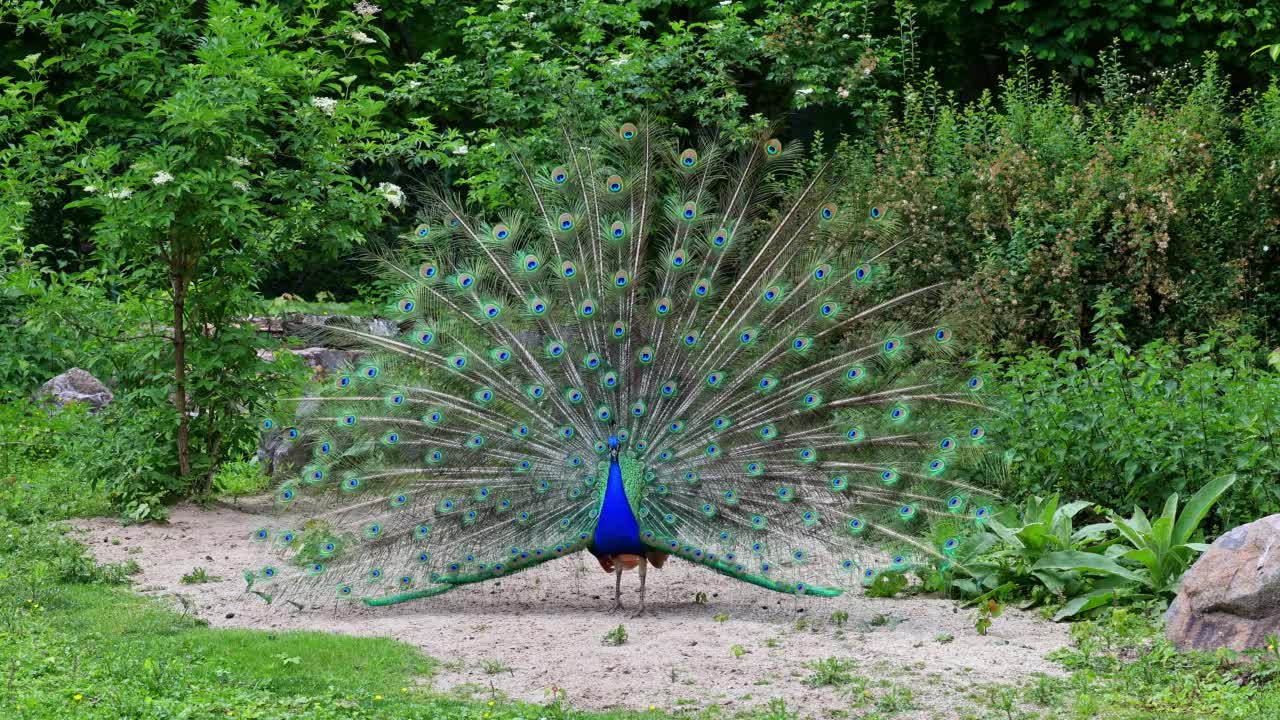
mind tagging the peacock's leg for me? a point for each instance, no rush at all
(644, 564)
(617, 588)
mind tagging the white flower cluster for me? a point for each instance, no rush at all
(240, 185)
(237, 160)
(121, 194)
(360, 38)
(460, 150)
(391, 193)
(161, 178)
(364, 8)
(324, 104)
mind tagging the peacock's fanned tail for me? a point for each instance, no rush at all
(780, 401)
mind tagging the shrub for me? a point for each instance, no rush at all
(126, 452)
(1160, 192)
(1035, 554)
(36, 483)
(1127, 427)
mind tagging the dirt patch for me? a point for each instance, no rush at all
(544, 629)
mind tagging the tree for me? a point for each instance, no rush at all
(223, 136)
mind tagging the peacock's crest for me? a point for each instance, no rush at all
(738, 342)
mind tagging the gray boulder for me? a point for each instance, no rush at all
(318, 358)
(315, 328)
(327, 359)
(1231, 596)
(76, 385)
(278, 454)
(321, 328)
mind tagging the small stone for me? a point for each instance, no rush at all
(230, 615)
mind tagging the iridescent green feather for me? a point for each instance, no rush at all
(787, 414)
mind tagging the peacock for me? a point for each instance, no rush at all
(663, 348)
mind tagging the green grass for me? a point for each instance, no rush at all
(33, 492)
(92, 651)
(75, 644)
(1122, 668)
(289, 662)
(240, 479)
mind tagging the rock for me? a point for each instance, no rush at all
(328, 359)
(276, 452)
(1231, 595)
(76, 385)
(307, 325)
(319, 358)
(315, 326)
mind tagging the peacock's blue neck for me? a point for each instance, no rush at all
(617, 531)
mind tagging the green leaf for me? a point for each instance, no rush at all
(1132, 534)
(1085, 603)
(1088, 533)
(1160, 538)
(1071, 509)
(1087, 562)
(1054, 581)
(1198, 506)
(1170, 508)
(1144, 556)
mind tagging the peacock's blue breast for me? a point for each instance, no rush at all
(617, 531)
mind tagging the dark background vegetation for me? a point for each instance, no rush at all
(1097, 179)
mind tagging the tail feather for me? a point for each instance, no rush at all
(747, 346)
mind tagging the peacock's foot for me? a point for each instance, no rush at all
(617, 607)
(641, 612)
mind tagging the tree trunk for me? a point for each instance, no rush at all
(180, 374)
(213, 450)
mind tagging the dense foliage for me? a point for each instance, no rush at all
(167, 164)
(1122, 426)
(1036, 555)
(1098, 181)
(1162, 192)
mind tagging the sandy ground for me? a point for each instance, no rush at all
(544, 628)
